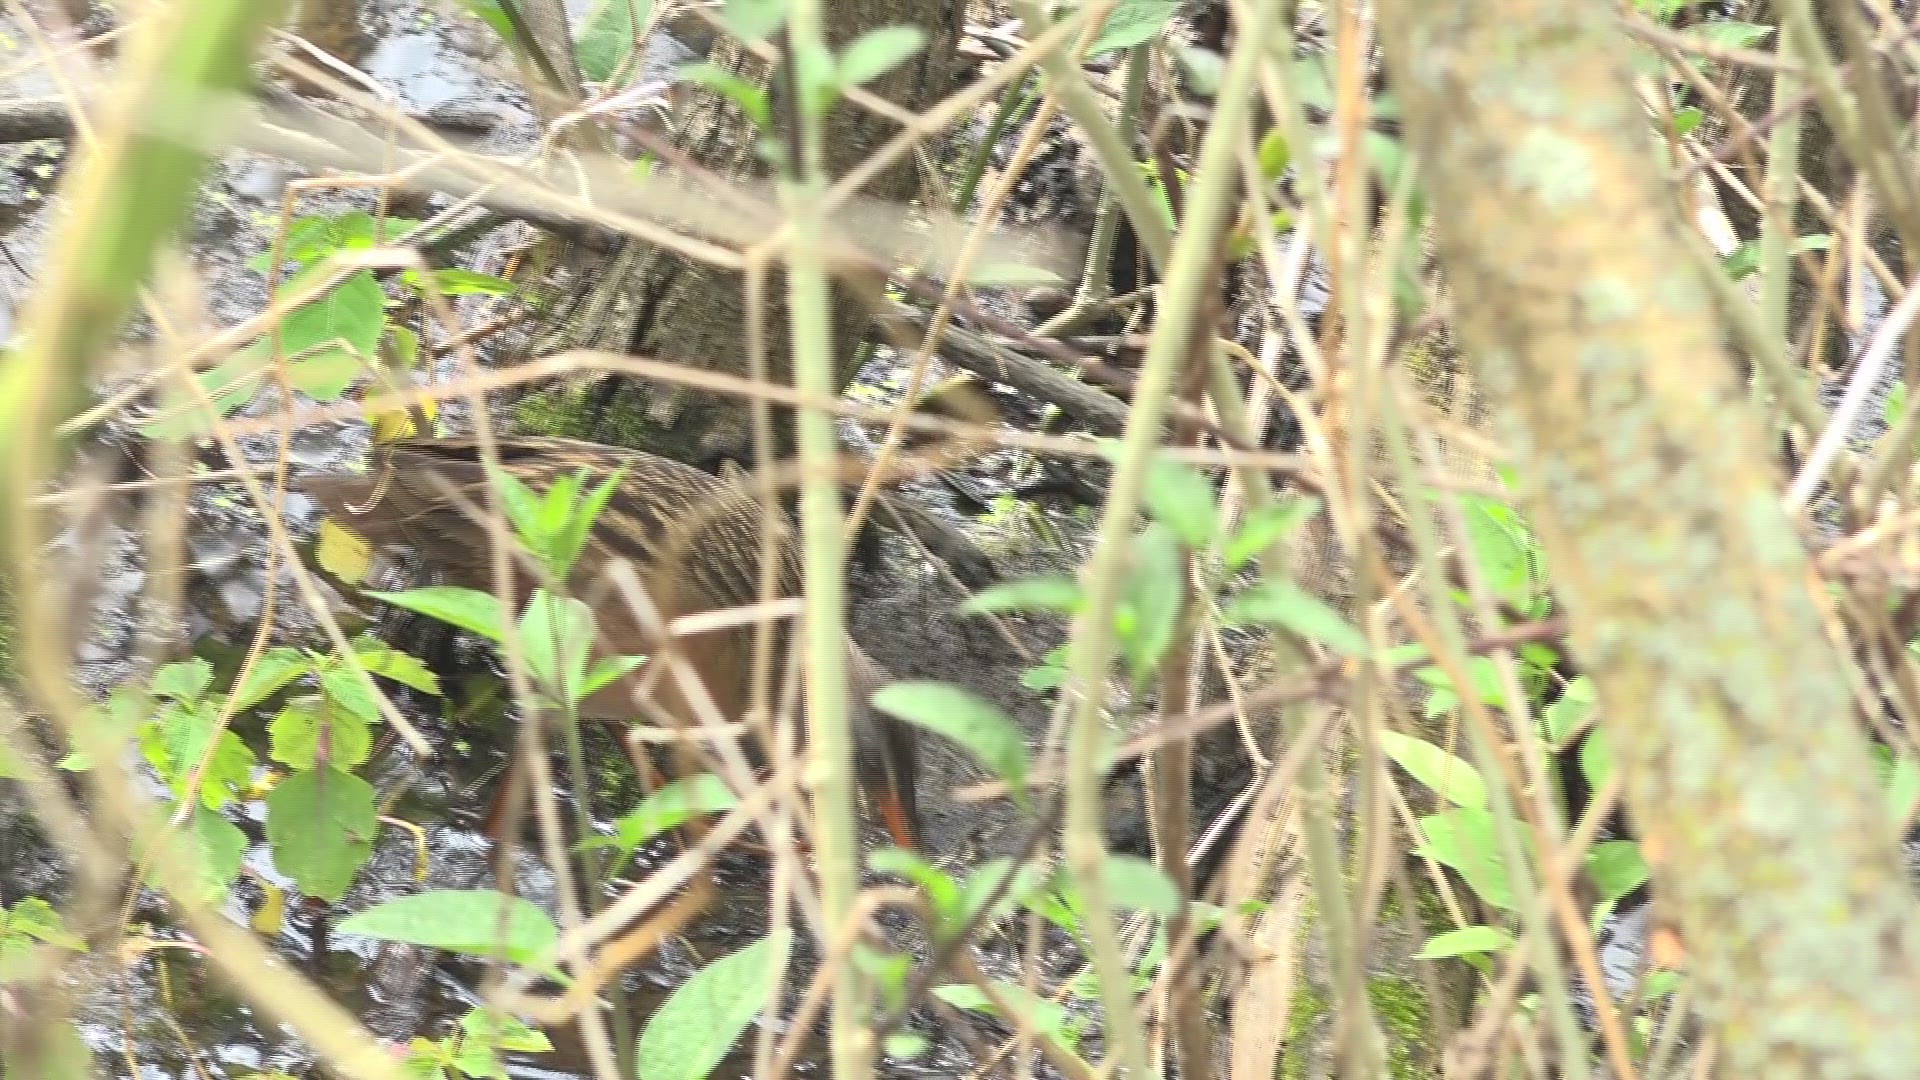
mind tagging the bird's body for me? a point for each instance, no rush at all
(693, 539)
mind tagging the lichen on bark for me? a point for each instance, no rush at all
(1657, 504)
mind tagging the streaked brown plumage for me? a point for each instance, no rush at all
(694, 540)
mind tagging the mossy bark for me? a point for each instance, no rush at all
(653, 302)
(1401, 1007)
(1652, 490)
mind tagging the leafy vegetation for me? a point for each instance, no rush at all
(1408, 705)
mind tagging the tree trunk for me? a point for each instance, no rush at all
(653, 302)
(1652, 492)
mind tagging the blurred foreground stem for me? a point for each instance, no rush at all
(829, 737)
(1192, 269)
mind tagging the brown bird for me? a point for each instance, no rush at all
(693, 539)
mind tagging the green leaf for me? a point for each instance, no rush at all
(692, 1031)
(1539, 656)
(943, 893)
(1503, 547)
(308, 238)
(1660, 983)
(1150, 599)
(1044, 678)
(1273, 523)
(1742, 261)
(1596, 759)
(490, 12)
(754, 20)
(184, 681)
(1311, 82)
(1387, 156)
(1049, 593)
(556, 639)
(1617, 868)
(179, 739)
(351, 317)
(483, 1035)
(298, 732)
(672, 806)
(347, 691)
(1730, 34)
(471, 922)
(458, 282)
(1133, 22)
(316, 236)
(125, 710)
(606, 671)
(230, 386)
(471, 1057)
(1486, 685)
(429, 1060)
(469, 609)
(557, 509)
(1470, 939)
(1275, 154)
(221, 847)
(1051, 904)
(1279, 603)
(228, 774)
(608, 38)
(405, 345)
(504, 1033)
(569, 539)
(1132, 884)
(1135, 884)
(525, 509)
(815, 77)
(1570, 711)
(1203, 69)
(986, 878)
(325, 374)
(1445, 774)
(357, 230)
(391, 663)
(877, 52)
(1464, 840)
(906, 1045)
(1686, 120)
(35, 918)
(1896, 406)
(1045, 1016)
(321, 825)
(973, 722)
(276, 668)
(1180, 497)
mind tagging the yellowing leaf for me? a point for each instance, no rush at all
(343, 552)
(272, 916)
(393, 426)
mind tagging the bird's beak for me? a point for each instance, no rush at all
(899, 823)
